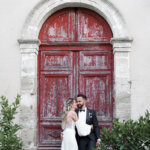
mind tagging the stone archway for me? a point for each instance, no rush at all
(29, 45)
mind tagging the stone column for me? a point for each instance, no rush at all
(28, 108)
(122, 83)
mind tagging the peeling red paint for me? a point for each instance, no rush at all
(75, 57)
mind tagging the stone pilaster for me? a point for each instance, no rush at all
(28, 108)
(122, 83)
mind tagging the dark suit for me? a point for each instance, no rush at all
(87, 142)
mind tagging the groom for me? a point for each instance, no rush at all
(88, 116)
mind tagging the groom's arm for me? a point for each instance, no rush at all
(95, 125)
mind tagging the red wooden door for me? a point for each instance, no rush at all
(75, 57)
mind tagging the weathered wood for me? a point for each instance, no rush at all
(75, 57)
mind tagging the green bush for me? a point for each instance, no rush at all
(8, 129)
(127, 135)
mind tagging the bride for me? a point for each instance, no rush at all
(69, 121)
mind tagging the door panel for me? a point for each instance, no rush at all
(50, 136)
(59, 27)
(97, 88)
(95, 60)
(56, 87)
(92, 27)
(56, 60)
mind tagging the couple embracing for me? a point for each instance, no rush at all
(80, 125)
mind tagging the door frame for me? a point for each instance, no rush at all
(29, 46)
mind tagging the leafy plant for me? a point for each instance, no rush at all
(127, 135)
(8, 129)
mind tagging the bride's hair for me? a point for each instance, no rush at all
(67, 107)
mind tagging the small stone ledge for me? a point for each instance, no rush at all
(125, 39)
(29, 41)
(122, 44)
(29, 45)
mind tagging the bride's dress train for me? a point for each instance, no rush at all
(69, 140)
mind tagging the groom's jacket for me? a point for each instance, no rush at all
(91, 119)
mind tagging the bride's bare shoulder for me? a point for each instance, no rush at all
(71, 113)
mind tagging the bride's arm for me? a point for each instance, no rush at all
(74, 116)
(82, 128)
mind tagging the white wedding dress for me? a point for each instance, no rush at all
(69, 140)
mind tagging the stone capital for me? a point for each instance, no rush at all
(121, 44)
(29, 45)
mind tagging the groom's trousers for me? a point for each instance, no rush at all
(86, 144)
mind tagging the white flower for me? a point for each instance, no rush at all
(90, 115)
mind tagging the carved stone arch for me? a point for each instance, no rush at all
(29, 45)
(44, 9)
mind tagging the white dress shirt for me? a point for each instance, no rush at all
(82, 115)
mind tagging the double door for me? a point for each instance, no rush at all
(75, 56)
(64, 74)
